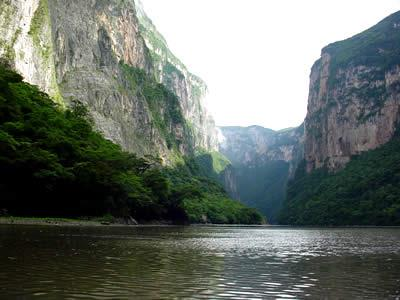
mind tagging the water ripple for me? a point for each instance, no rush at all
(198, 263)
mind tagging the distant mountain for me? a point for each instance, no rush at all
(263, 161)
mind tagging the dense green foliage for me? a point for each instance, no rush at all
(365, 192)
(211, 164)
(54, 164)
(206, 201)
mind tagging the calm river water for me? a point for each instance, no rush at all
(198, 263)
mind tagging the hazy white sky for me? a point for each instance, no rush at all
(256, 55)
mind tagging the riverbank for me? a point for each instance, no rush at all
(10, 220)
(87, 221)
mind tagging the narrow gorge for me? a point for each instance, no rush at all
(121, 179)
(337, 168)
(263, 162)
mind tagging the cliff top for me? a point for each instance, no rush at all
(378, 45)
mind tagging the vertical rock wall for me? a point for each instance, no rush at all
(74, 50)
(354, 96)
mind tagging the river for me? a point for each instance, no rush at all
(198, 262)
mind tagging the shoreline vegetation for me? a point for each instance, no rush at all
(50, 221)
(104, 221)
(84, 221)
(55, 163)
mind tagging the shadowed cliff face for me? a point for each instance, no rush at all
(354, 96)
(263, 160)
(82, 50)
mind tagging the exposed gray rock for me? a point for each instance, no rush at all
(73, 50)
(190, 89)
(354, 97)
(255, 145)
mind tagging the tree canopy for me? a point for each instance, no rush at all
(53, 163)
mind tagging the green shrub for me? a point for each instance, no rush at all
(53, 163)
(365, 192)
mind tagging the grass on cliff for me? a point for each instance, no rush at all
(38, 27)
(211, 162)
(54, 164)
(378, 47)
(163, 104)
(365, 192)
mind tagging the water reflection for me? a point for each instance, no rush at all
(198, 262)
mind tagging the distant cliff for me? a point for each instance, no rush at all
(263, 160)
(102, 54)
(354, 96)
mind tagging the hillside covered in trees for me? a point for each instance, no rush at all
(54, 164)
(365, 192)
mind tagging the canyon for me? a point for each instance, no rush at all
(109, 56)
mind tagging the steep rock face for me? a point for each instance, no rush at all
(26, 42)
(189, 88)
(90, 38)
(90, 51)
(256, 145)
(263, 161)
(354, 96)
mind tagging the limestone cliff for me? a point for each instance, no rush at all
(96, 51)
(173, 73)
(256, 145)
(263, 160)
(354, 97)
